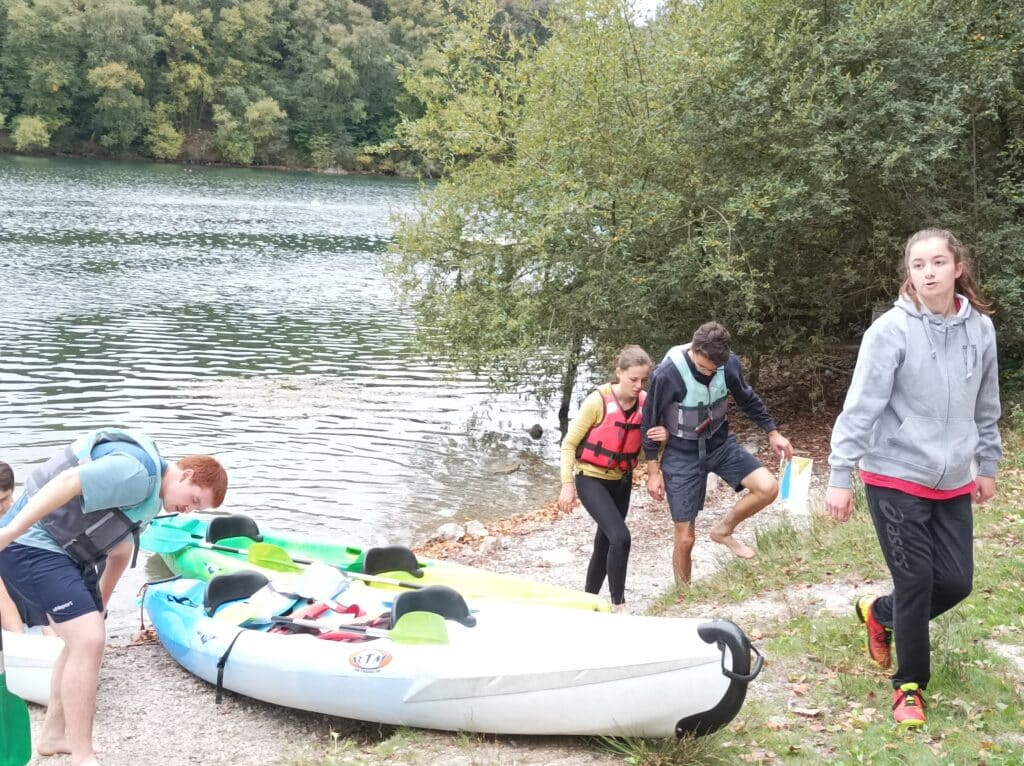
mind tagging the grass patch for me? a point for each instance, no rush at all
(686, 751)
(789, 555)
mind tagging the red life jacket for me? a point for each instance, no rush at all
(615, 441)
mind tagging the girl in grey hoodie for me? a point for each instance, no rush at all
(920, 422)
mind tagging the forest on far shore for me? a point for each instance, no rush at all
(305, 83)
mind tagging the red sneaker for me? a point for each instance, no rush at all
(908, 706)
(879, 636)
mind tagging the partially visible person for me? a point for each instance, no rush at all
(6, 487)
(920, 421)
(10, 618)
(599, 452)
(689, 396)
(77, 509)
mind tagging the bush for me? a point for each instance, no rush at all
(31, 133)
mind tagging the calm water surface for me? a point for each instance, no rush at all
(245, 314)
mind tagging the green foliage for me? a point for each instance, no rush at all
(241, 140)
(120, 113)
(162, 140)
(230, 139)
(330, 66)
(31, 133)
(758, 162)
(321, 153)
(38, 75)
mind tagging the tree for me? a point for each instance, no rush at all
(163, 140)
(120, 114)
(188, 81)
(40, 64)
(520, 261)
(241, 140)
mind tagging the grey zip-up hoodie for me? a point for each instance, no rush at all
(924, 400)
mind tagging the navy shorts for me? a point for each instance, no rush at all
(42, 581)
(686, 478)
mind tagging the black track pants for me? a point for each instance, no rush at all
(929, 548)
(607, 501)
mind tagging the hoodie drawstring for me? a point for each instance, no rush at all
(927, 332)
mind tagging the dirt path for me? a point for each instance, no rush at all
(150, 710)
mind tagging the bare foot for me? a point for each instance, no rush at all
(48, 747)
(730, 542)
(619, 609)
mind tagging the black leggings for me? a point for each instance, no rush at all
(607, 501)
(928, 545)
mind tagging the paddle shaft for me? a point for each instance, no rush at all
(306, 562)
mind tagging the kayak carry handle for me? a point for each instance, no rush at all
(744, 677)
(729, 637)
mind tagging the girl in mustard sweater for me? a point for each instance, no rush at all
(599, 452)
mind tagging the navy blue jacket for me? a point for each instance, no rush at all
(667, 390)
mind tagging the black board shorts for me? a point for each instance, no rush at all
(46, 582)
(686, 477)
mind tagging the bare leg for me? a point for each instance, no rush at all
(762, 489)
(117, 561)
(69, 718)
(682, 561)
(52, 739)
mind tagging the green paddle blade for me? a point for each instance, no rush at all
(15, 731)
(272, 557)
(419, 628)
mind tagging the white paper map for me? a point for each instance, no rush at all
(795, 482)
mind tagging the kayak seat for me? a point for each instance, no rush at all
(439, 599)
(391, 558)
(232, 587)
(235, 525)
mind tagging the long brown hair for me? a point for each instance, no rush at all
(966, 284)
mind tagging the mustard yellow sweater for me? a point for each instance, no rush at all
(591, 413)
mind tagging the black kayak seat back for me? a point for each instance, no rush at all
(232, 587)
(439, 599)
(235, 525)
(391, 558)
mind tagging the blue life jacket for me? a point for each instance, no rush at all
(705, 407)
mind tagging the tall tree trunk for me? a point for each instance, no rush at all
(754, 373)
(572, 368)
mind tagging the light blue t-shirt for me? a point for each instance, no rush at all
(120, 475)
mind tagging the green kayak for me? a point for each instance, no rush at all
(197, 548)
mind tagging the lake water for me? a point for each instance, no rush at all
(245, 314)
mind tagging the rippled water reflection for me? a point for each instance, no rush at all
(244, 313)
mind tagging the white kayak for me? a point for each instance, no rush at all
(29, 659)
(502, 668)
